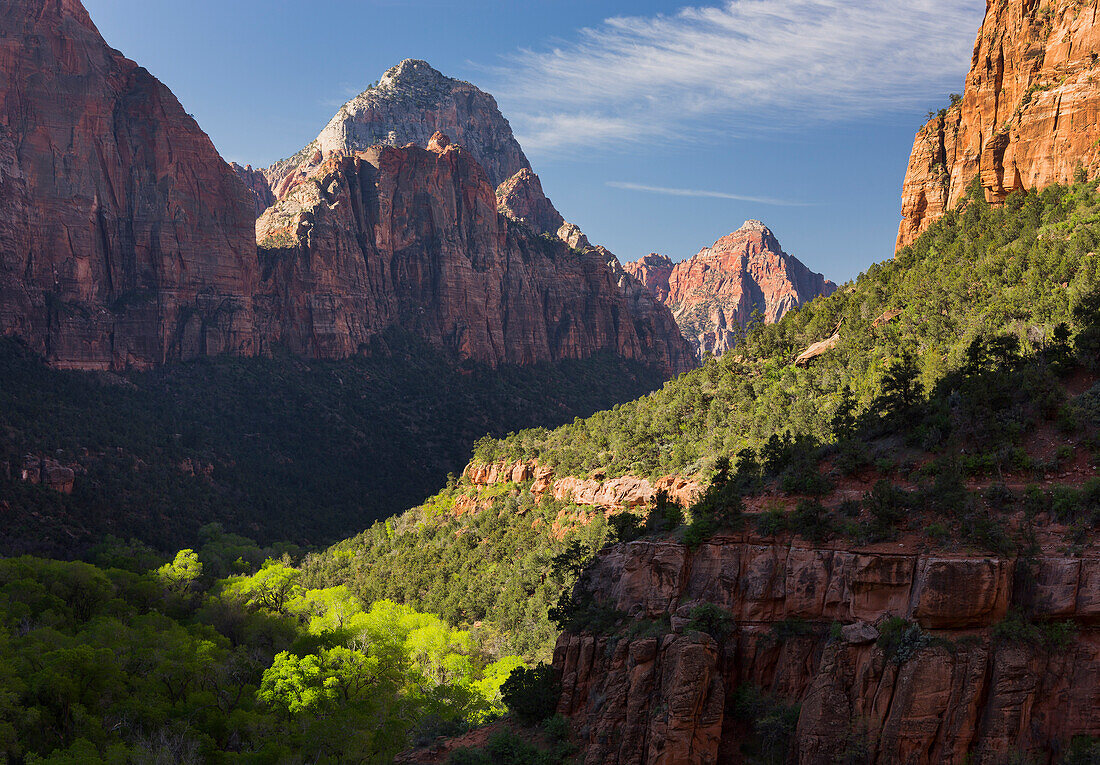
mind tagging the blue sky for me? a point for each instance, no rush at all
(655, 126)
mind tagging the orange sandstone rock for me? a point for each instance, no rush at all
(1029, 114)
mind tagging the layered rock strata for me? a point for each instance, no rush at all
(609, 493)
(256, 181)
(125, 240)
(714, 294)
(411, 237)
(1029, 114)
(954, 692)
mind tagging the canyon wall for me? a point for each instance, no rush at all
(1029, 114)
(411, 237)
(125, 240)
(714, 294)
(952, 691)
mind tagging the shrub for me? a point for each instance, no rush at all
(810, 520)
(1053, 636)
(710, 619)
(531, 695)
(887, 505)
(1083, 750)
(901, 640)
(771, 522)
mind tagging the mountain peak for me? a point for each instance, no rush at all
(412, 71)
(753, 225)
(409, 104)
(715, 292)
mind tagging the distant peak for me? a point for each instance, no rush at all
(411, 71)
(753, 225)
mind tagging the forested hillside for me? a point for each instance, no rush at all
(979, 271)
(281, 449)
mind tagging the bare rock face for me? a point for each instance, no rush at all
(522, 199)
(411, 102)
(257, 183)
(1029, 115)
(953, 692)
(714, 294)
(125, 240)
(411, 237)
(654, 271)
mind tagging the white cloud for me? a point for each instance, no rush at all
(702, 193)
(745, 66)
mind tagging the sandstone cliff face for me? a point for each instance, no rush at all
(521, 198)
(410, 103)
(959, 695)
(1029, 115)
(411, 237)
(713, 294)
(257, 183)
(654, 271)
(124, 237)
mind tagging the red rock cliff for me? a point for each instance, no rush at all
(1029, 115)
(411, 237)
(957, 694)
(714, 293)
(124, 237)
(256, 182)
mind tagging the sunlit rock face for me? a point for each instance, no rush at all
(408, 105)
(412, 238)
(714, 294)
(1029, 114)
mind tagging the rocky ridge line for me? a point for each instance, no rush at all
(714, 294)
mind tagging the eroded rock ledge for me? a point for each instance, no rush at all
(960, 696)
(596, 491)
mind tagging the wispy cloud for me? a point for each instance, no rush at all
(702, 193)
(741, 66)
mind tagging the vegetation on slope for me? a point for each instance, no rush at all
(175, 664)
(929, 415)
(278, 449)
(978, 272)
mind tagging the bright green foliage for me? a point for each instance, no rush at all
(978, 272)
(502, 567)
(179, 575)
(107, 665)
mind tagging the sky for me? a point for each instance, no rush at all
(654, 126)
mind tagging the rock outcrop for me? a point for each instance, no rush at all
(48, 472)
(609, 493)
(521, 198)
(715, 293)
(410, 237)
(257, 183)
(951, 691)
(655, 272)
(1029, 114)
(125, 240)
(409, 104)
